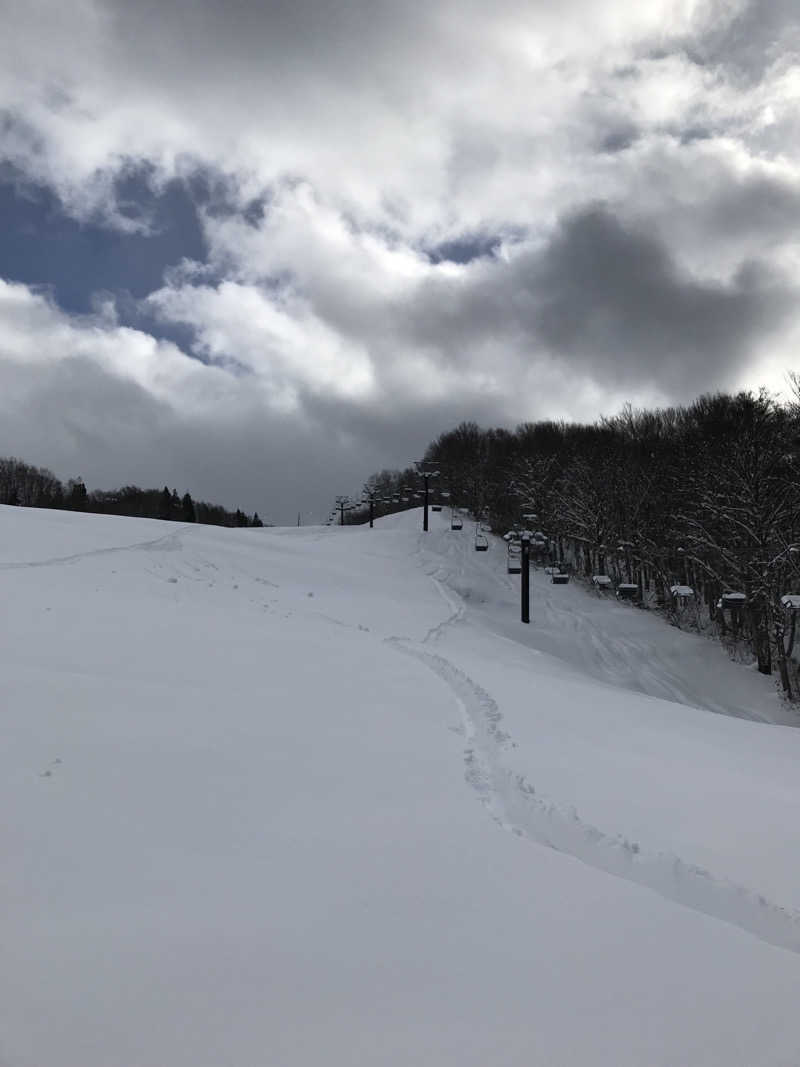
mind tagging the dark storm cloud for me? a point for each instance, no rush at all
(747, 41)
(763, 207)
(619, 138)
(613, 299)
(609, 302)
(398, 436)
(690, 134)
(279, 33)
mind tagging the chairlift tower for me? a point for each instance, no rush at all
(370, 498)
(343, 504)
(525, 584)
(426, 476)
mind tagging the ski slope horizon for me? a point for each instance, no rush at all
(315, 795)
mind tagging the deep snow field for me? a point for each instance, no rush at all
(316, 798)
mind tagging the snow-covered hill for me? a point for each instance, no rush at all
(294, 797)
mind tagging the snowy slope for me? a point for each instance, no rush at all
(284, 797)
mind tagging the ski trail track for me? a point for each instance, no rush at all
(516, 806)
(167, 542)
(457, 613)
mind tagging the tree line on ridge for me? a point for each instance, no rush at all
(36, 487)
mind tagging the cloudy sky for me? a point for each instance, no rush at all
(258, 250)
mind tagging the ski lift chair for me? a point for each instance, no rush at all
(682, 595)
(733, 602)
(481, 542)
(627, 591)
(456, 522)
(514, 560)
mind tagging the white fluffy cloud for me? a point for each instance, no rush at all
(423, 118)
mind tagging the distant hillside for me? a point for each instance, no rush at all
(36, 487)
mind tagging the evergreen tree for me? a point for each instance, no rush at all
(77, 494)
(165, 504)
(187, 509)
